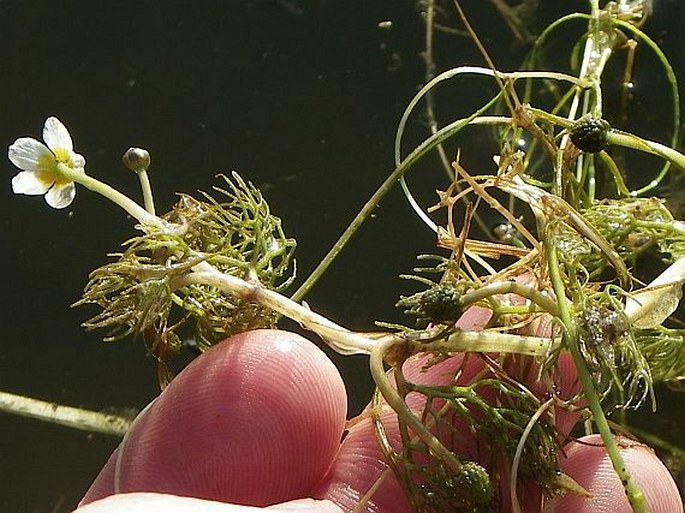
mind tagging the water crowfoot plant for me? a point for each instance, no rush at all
(499, 319)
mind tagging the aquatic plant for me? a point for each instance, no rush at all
(558, 278)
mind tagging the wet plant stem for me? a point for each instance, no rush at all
(347, 342)
(77, 418)
(356, 223)
(510, 287)
(488, 342)
(131, 207)
(146, 187)
(403, 412)
(513, 479)
(570, 341)
(369, 207)
(633, 142)
(619, 138)
(340, 339)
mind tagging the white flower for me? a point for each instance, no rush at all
(38, 162)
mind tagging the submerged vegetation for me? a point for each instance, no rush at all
(567, 276)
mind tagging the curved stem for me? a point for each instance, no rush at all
(126, 203)
(513, 479)
(369, 207)
(338, 338)
(402, 410)
(634, 142)
(510, 287)
(620, 138)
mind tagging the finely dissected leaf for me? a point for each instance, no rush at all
(143, 292)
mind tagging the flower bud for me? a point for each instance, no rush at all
(136, 159)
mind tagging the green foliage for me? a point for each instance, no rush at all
(437, 489)
(145, 290)
(498, 425)
(607, 343)
(439, 304)
(664, 349)
(583, 241)
(489, 414)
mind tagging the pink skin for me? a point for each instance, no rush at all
(257, 421)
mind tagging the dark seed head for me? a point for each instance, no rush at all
(441, 303)
(590, 135)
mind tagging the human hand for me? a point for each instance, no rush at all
(258, 421)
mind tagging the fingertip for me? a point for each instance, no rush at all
(255, 420)
(589, 465)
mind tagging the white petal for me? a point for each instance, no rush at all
(61, 196)
(26, 153)
(56, 135)
(28, 183)
(78, 160)
(652, 305)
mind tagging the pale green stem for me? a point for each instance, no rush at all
(488, 342)
(510, 287)
(131, 207)
(513, 479)
(591, 180)
(370, 206)
(347, 342)
(621, 187)
(76, 418)
(633, 492)
(340, 339)
(404, 413)
(595, 56)
(619, 138)
(146, 187)
(631, 141)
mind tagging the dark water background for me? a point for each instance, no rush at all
(301, 96)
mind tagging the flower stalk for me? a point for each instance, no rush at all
(138, 161)
(145, 218)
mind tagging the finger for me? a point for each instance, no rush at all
(588, 463)
(160, 503)
(255, 420)
(360, 472)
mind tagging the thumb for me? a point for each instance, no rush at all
(255, 420)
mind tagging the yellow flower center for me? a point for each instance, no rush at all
(47, 172)
(63, 156)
